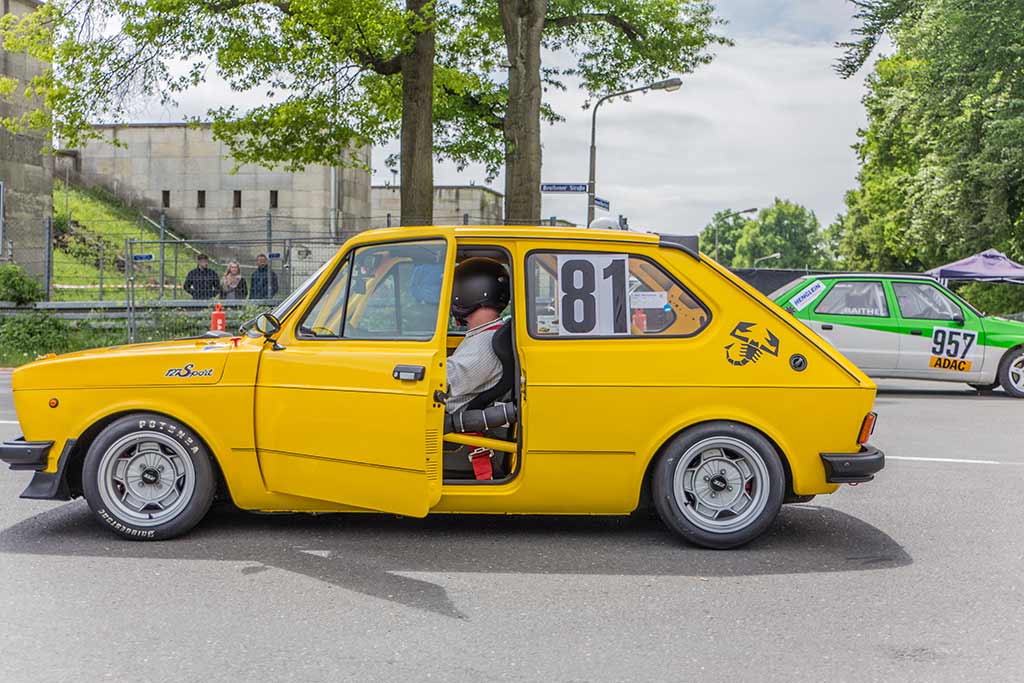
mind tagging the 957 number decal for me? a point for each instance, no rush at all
(950, 349)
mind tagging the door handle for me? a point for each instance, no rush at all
(411, 373)
(826, 326)
(916, 333)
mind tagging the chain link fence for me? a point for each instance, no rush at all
(128, 278)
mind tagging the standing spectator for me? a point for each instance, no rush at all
(264, 280)
(232, 285)
(202, 281)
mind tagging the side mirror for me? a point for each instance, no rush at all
(267, 324)
(958, 318)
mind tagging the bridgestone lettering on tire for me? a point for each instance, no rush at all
(719, 485)
(147, 477)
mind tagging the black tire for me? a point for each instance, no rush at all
(984, 387)
(1012, 357)
(771, 476)
(172, 446)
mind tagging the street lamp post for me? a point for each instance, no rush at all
(765, 258)
(726, 216)
(668, 85)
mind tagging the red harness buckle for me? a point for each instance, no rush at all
(481, 459)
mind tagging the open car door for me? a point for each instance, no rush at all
(345, 407)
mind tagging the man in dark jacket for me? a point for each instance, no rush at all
(264, 280)
(202, 282)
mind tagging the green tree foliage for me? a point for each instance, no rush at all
(720, 236)
(329, 69)
(785, 227)
(942, 156)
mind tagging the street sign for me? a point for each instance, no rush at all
(274, 255)
(602, 203)
(563, 187)
(142, 257)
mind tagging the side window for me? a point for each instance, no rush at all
(855, 298)
(598, 294)
(923, 302)
(324, 319)
(395, 291)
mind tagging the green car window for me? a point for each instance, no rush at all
(855, 298)
(921, 301)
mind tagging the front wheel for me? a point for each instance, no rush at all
(1011, 373)
(719, 485)
(148, 477)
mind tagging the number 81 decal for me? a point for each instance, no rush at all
(593, 294)
(950, 349)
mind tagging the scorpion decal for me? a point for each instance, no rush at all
(751, 346)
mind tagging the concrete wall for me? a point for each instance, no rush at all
(482, 205)
(152, 159)
(26, 173)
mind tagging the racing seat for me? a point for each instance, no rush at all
(456, 462)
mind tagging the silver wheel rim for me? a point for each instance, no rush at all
(721, 484)
(1017, 373)
(146, 478)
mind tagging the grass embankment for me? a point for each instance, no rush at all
(85, 220)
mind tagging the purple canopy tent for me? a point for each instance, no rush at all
(988, 266)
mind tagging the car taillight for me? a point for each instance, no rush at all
(866, 428)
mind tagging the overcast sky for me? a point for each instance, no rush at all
(767, 118)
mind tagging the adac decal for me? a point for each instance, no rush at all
(754, 341)
(952, 364)
(189, 371)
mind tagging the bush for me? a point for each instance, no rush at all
(33, 334)
(18, 286)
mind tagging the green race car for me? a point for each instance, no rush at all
(909, 326)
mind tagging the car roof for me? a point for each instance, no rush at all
(539, 232)
(874, 276)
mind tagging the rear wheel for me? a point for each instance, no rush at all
(1011, 373)
(719, 485)
(147, 477)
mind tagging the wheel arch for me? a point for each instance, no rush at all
(646, 496)
(76, 458)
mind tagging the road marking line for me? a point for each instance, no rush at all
(8, 422)
(969, 462)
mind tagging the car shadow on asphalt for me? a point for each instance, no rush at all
(371, 554)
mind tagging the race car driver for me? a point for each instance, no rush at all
(480, 293)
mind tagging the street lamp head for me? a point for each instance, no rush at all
(668, 85)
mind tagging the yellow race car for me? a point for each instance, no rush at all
(636, 371)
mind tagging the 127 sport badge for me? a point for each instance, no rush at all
(950, 348)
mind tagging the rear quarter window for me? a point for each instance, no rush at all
(602, 295)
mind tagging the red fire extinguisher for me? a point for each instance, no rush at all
(218, 323)
(639, 320)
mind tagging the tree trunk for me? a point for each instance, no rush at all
(417, 144)
(523, 23)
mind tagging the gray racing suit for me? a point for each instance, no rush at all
(474, 367)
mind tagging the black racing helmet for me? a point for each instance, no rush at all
(479, 282)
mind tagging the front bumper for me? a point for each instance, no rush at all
(853, 468)
(26, 455)
(35, 455)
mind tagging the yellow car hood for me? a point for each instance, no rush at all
(172, 363)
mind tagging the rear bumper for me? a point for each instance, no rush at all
(853, 468)
(26, 455)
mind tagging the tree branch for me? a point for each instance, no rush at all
(633, 33)
(474, 104)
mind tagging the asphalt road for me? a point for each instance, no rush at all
(917, 575)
